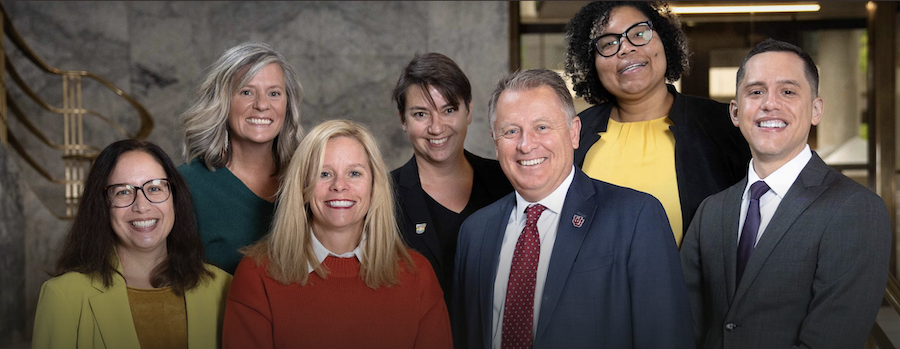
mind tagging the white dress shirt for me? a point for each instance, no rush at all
(323, 252)
(779, 182)
(547, 224)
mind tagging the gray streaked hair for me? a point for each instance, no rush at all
(532, 79)
(205, 123)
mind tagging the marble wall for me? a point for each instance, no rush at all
(12, 256)
(348, 55)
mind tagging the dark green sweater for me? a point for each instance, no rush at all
(229, 215)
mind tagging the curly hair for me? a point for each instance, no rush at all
(587, 24)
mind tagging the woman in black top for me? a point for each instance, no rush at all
(442, 184)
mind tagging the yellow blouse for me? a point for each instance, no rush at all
(160, 319)
(639, 155)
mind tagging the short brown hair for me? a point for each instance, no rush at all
(434, 70)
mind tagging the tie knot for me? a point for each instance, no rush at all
(758, 189)
(534, 211)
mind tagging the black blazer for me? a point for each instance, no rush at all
(412, 208)
(710, 153)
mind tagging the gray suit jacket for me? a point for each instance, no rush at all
(815, 279)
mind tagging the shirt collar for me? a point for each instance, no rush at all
(322, 252)
(784, 177)
(553, 202)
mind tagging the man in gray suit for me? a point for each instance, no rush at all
(795, 255)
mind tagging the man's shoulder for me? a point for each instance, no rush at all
(491, 212)
(845, 188)
(608, 192)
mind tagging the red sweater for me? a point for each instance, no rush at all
(337, 312)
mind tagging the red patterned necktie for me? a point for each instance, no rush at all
(518, 312)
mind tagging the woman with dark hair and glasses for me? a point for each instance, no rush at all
(640, 132)
(132, 273)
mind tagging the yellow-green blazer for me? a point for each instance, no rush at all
(76, 311)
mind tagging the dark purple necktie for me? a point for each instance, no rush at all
(750, 230)
(518, 311)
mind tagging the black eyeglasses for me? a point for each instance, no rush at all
(123, 195)
(610, 44)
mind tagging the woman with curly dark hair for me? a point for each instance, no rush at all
(640, 132)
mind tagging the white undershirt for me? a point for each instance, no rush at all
(323, 252)
(547, 225)
(779, 183)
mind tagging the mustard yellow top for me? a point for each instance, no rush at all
(639, 155)
(159, 316)
(77, 311)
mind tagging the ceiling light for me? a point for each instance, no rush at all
(745, 9)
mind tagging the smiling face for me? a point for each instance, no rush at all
(437, 132)
(534, 146)
(635, 70)
(257, 110)
(143, 226)
(343, 188)
(775, 108)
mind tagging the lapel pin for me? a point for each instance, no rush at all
(420, 228)
(577, 221)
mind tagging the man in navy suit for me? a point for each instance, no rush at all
(566, 261)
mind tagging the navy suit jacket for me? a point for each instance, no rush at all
(613, 282)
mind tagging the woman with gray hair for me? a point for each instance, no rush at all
(640, 132)
(238, 139)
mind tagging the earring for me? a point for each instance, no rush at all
(225, 147)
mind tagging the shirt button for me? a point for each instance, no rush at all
(730, 327)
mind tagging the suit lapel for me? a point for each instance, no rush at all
(112, 313)
(803, 192)
(492, 237)
(415, 206)
(567, 245)
(731, 220)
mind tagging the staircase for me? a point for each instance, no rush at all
(53, 123)
(62, 158)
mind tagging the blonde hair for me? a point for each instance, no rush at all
(288, 246)
(205, 123)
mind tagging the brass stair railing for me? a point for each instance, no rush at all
(76, 154)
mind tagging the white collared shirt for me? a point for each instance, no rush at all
(547, 225)
(779, 183)
(323, 252)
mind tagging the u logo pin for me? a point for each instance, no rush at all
(577, 221)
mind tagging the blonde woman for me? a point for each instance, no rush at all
(334, 271)
(238, 138)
